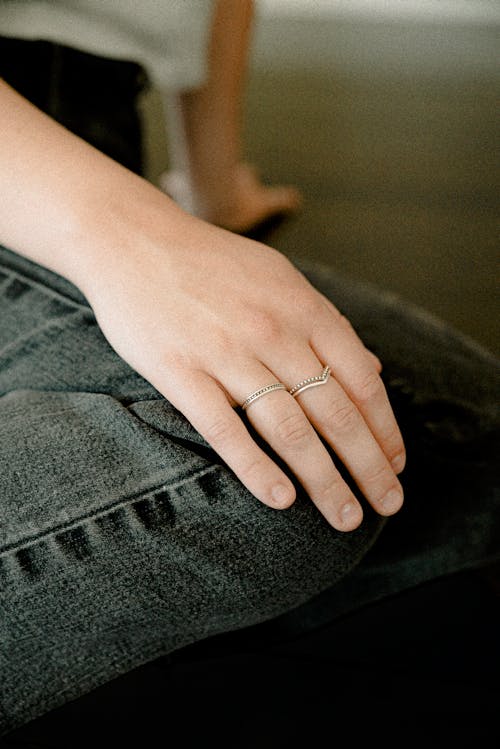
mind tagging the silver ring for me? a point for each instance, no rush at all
(310, 382)
(262, 391)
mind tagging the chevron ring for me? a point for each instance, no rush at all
(310, 382)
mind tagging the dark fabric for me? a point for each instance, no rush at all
(94, 97)
(124, 537)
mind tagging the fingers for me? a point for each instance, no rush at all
(291, 426)
(206, 406)
(283, 424)
(360, 379)
(280, 420)
(358, 426)
(334, 415)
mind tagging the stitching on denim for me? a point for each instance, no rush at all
(36, 538)
(40, 287)
(52, 325)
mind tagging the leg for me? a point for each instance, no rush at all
(123, 536)
(209, 177)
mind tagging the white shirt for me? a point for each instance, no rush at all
(167, 37)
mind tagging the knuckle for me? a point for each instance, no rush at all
(252, 469)
(378, 474)
(221, 432)
(341, 415)
(314, 304)
(369, 388)
(293, 431)
(330, 489)
(335, 316)
(342, 319)
(264, 325)
(392, 436)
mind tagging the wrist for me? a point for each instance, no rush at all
(67, 206)
(115, 225)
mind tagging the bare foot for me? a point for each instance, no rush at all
(240, 206)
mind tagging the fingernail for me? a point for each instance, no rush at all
(398, 463)
(281, 495)
(349, 512)
(392, 500)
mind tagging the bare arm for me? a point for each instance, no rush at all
(205, 129)
(58, 191)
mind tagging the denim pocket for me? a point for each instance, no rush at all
(66, 455)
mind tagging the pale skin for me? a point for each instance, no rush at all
(209, 175)
(207, 317)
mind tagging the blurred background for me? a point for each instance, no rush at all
(385, 114)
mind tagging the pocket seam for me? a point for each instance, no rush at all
(124, 501)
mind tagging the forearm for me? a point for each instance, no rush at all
(212, 115)
(209, 175)
(64, 204)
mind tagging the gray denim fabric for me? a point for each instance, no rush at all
(123, 537)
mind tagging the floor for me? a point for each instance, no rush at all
(399, 172)
(401, 185)
(401, 188)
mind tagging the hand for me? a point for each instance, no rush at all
(207, 317)
(239, 202)
(217, 316)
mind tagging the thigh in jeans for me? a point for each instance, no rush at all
(123, 536)
(445, 391)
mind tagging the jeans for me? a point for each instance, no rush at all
(124, 537)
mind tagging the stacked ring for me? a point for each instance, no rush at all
(309, 382)
(262, 391)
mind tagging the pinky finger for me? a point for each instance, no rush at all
(372, 358)
(219, 424)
